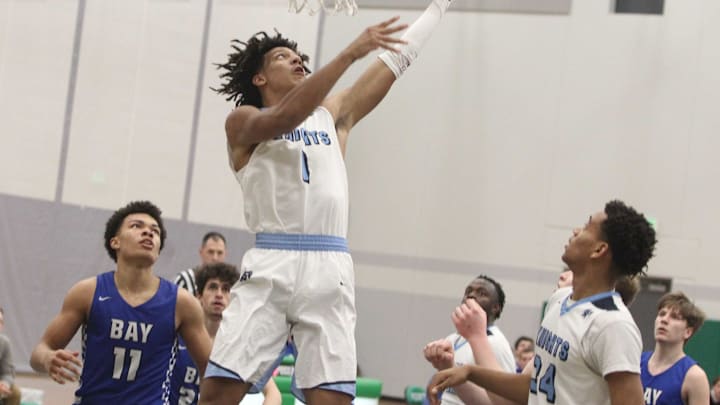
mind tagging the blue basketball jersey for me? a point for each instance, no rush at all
(664, 388)
(185, 381)
(128, 352)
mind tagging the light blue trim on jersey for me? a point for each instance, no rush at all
(565, 309)
(216, 370)
(461, 341)
(260, 385)
(295, 241)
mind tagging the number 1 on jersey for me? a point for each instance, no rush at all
(305, 168)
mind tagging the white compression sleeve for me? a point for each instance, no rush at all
(416, 36)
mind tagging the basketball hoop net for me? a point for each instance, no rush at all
(313, 7)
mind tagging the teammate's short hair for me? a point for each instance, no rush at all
(214, 236)
(135, 207)
(628, 288)
(630, 236)
(245, 62)
(498, 289)
(226, 273)
(524, 339)
(678, 301)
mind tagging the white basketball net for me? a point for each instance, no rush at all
(313, 7)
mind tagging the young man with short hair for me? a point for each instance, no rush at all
(130, 320)
(669, 376)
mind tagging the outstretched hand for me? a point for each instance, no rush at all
(440, 354)
(445, 379)
(64, 366)
(377, 36)
(470, 319)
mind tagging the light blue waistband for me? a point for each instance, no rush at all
(294, 241)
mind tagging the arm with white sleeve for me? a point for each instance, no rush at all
(352, 104)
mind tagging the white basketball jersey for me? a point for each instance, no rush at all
(578, 344)
(464, 355)
(296, 182)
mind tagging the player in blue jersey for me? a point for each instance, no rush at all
(588, 346)
(286, 141)
(130, 320)
(213, 282)
(669, 376)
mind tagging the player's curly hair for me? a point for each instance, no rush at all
(226, 273)
(244, 63)
(498, 289)
(630, 236)
(135, 207)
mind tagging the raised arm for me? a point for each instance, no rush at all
(440, 353)
(190, 325)
(248, 125)
(471, 323)
(356, 102)
(50, 356)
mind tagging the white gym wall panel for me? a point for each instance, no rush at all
(36, 42)
(134, 103)
(216, 197)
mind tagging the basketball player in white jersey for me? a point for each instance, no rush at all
(455, 349)
(286, 140)
(588, 346)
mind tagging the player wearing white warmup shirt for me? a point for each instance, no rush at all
(286, 140)
(588, 346)
(455, 349)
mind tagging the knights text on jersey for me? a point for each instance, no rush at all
(297, 182)
(128, 352)
(578, 344)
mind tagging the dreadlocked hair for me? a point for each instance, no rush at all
(244, 63)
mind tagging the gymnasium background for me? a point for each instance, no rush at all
(516, 123)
